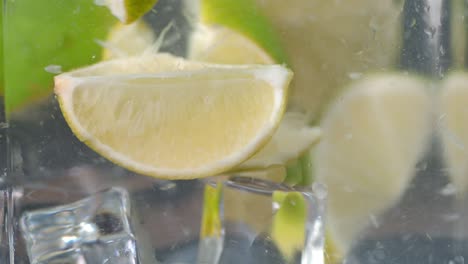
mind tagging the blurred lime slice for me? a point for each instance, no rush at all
(128, 40)
(458, 33)
(209, 43)
(291, 140)
(245, 17)
(454, 129)
(226, 28)
(219, 44)
(373, 136)
(331, 43)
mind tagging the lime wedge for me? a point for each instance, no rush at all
(167, 117)
(245, 17)
(454, 129)
(331, 43)
(373, 136)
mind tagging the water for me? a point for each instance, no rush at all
(107, 228)
(60, 202)
(263, 227)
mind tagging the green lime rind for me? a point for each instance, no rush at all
(307, 169)
(289, 222)
(137, 8)
(246, 18)
(211, 225)
(300, 171)
(37, 35)
(293, 173)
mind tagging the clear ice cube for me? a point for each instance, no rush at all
(263, 222)
(93, 230)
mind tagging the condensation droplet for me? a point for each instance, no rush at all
(450, 217)
(441, 50)
(373, 219)
(55, 69)
(448, 190)
(355, 75)
(320, 190)
(167, 186)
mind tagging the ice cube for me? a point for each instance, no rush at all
(93, 230)
(267, 222)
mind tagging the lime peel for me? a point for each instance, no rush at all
(211, 219)
(289, 223)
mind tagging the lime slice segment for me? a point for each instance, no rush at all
(372, 139)
(128, 40)
(173, 118)
(454, 118)
(330, 43)
(245, 17)
(209, 43)
(220, 44)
